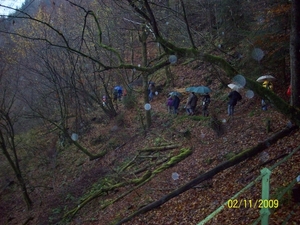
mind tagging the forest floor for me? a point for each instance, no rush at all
(58, 180)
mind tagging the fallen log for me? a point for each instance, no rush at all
(159, 148)
(138, 182)
(208, 175)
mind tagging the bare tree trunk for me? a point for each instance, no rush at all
(14, 163)
(143, 39)
(295, 53)
(169, 75)
(146, 100)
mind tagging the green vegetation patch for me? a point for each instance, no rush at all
(184, 152)
(229, 155)
(199, 118)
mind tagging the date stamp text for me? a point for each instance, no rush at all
(250, 203)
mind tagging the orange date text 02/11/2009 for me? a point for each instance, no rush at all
(249, 203)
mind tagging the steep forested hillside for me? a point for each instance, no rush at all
(72, 154)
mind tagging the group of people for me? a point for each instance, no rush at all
(173, 101)
(191, 104)
(235, 96)
(118, 93)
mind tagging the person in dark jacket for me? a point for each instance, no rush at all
(234, 97)
(191, 104)
(176, 102)
(205, 104)
(120, 94)
(151, 90)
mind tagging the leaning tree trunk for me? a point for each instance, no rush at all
(295, 53)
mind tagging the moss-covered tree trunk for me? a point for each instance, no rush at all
(169, 77)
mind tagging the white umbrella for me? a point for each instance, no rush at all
(265, 77)
(234, 86)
